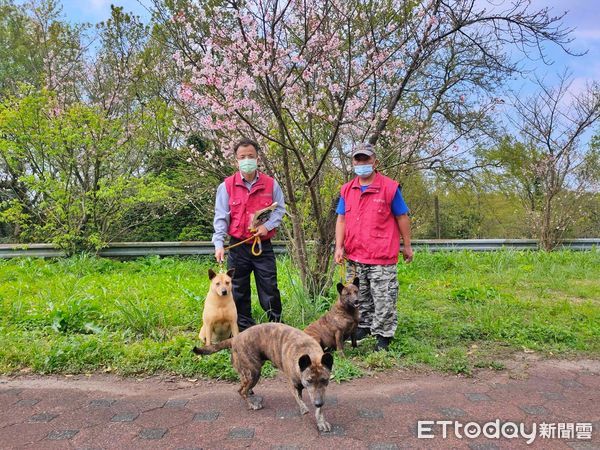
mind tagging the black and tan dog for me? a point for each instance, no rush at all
(340, 323)
(293, 352)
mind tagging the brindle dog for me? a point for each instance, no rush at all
(293, 352)
(341, 322)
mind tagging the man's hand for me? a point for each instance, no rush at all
(407, 253)
(339, 255)
(219, 254)
(261, 231)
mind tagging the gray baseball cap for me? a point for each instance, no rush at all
(363, 149)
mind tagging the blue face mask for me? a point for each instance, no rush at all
(363, 170)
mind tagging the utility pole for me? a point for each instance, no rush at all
(436, 208)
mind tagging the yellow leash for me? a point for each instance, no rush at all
(254, 251)
(260, 217)
(257, 242)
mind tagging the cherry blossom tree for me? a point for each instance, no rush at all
(308, 78)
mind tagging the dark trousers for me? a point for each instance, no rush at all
(244, 262)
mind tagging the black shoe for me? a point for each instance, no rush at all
(382, 343)
(362, 333)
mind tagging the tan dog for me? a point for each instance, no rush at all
(219, 318)
(340, 323)
(293, 352)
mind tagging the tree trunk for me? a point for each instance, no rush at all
(547, 238)
(321, 272)
(436, 206)
(298, 242)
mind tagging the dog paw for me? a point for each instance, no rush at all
(303, 410)
(255, 403)
(324, 426)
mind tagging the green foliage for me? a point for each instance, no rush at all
(485, 364)
(34, 41)
(74, 315)
(556, 190)
(14, 47)
(76, 184)
(345, 370)
(473, 294)
(190, 217)
(456, 312)
(86, 134)
(379, 361)
(455, 361)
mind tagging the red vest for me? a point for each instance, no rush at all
(371, 233)
(243, 203)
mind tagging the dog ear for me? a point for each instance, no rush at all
(356, 281)
(340, 288)
(327, 360)
(304, 362)
(230, 272)
(211, 274)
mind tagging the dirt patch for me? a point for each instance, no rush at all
(518, 367)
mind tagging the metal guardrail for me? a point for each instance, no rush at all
(137, 249)
(486, 245)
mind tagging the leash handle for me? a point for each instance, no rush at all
(257, 242)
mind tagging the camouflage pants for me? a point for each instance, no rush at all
(378, 295)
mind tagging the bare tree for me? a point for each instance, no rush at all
(553, 122)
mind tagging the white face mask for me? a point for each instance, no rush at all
(248, 165)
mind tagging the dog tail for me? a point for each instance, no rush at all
(210, 349)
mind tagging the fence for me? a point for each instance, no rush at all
(136, 249)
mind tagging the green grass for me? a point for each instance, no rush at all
(457, 311)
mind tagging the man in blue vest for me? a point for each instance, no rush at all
(238, 198)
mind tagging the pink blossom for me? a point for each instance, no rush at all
(240, 74)
(178, 59)
(179, 17)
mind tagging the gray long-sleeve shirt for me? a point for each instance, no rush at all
(222, 212)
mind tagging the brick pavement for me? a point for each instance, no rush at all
(378, 412)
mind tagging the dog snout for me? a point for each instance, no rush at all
(223, 291)
(318, 400)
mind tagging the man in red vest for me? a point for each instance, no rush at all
(372, 217)
(237, 199)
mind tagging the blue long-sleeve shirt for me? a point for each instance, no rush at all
(222, 212)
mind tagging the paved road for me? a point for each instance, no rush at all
(379, 412)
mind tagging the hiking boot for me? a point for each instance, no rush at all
(382, 343)
(362, 333)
